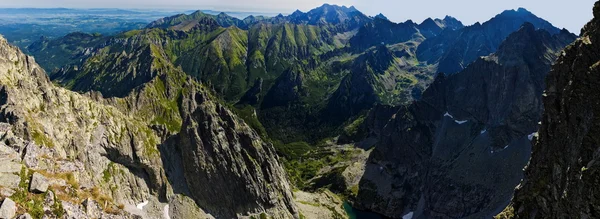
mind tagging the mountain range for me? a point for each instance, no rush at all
(308, 115)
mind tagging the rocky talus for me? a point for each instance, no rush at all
(70, 155)
(561, 179)
(460, 150)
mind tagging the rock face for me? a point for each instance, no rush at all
(460, 150)
(221, 151)
(562, 175)
(455, 50)
(8, 209)
(113, 150)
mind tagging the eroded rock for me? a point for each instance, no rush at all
(8, 208)
(38, 184)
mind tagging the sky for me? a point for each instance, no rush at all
(571, 14)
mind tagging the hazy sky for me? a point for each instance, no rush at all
(570, 14)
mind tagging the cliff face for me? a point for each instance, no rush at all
(223, 157)
(116, 154)
(562, 175)
(459, 151)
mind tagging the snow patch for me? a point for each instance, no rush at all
(166, 212)
(448, 115)
(504, 148)
(530, 137)
(408, 216)
(142, 205)
(461, 121)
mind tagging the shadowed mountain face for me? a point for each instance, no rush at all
(459, 151)
(561, 178)
(454, 50)
(430, 27)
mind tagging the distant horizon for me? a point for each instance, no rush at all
(571, 16)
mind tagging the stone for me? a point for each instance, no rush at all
(49, 199)
(25, 216)
(8, 209)
(31, 155)
(10, 167)
(92, 209)
(9, 180)
(6, 192)
(73, 210)
(38, 184)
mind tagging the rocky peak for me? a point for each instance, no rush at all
(220, 150)
(452, 23)
(562, 172)
(120, 152)
(449, 50)
(469, 136)
(430, 28)
(381, 16)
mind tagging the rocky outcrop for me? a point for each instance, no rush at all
(459, 151)
(221, 151)
(288, 88)
(102, 155)
(562, 175)
(252, 96)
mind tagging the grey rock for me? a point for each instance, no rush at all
(92, 209)
(8, 209)
(25, 216)
(38, 184)
(222, 151)
(49, 199)
(9, 180)
(31, 155)
(10, 167)
(73, 211)
(6, 192)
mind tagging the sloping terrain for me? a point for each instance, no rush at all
(116, 155)
(561, 177)
(459, 151)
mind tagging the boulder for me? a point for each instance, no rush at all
(5, 192)
(8, 209)
(9, 180)
(39, 183)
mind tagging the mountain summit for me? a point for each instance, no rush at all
(454, 50)
(561, 177)
(468, 135)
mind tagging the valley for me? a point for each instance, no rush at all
(328, 113)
